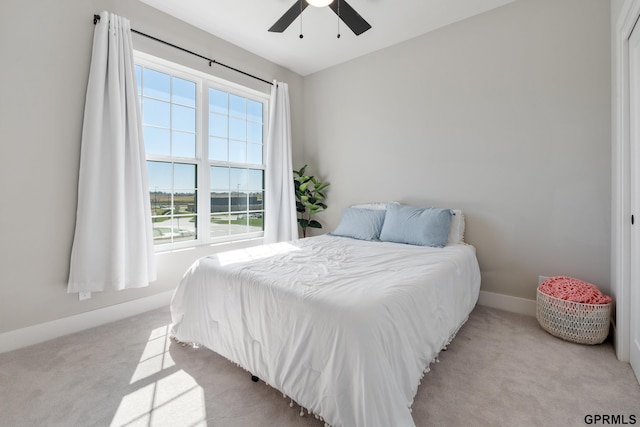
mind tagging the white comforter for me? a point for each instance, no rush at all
(344, 327)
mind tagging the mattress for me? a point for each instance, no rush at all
(346, 328)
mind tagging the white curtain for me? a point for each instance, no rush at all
(113, 242)
(280, 218)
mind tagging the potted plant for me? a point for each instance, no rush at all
(309, 198)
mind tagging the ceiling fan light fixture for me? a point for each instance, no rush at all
(319, 3)
(345, 12)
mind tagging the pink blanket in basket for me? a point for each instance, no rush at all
(571, 289)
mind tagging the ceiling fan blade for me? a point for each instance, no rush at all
(289, 16)
(350, 17)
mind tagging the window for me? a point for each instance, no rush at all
(204, 141)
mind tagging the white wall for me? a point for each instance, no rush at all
(505, 115)
(616, 7)
(45, 48)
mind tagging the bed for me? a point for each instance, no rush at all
(345, 327)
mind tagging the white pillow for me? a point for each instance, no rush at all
(456, 232)
(376, 206)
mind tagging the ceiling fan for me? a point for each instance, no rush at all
(349, 16)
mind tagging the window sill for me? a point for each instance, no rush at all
(215, 247)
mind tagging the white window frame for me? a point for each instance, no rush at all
(203, 82)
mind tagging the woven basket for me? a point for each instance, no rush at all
(573, 321)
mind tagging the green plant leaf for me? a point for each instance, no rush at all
(310, 196)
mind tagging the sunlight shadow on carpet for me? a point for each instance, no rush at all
(162, 393)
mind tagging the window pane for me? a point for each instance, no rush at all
(159, 175)
(184, 228)
(156, 113)
(237, 129)
(219, 178)
(157, 141)
(256, 222)
(254, 153)
(217, 125)
(237, 107)
(239, 224)
(238, 179)
(219, 225)
(255, 179)
(156, 84)
(139, 79)
(183, 118)
(184, 176)
(219, 201)
(183, 144)
(237, 151)
(184, 202)
(254, 132)
(184, 92)
(256, 201)
(254, 111)
(160, 203)
(238, 201)
(218, 149)
(162, 230)
(218, 102)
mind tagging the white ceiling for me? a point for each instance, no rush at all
(245, 24)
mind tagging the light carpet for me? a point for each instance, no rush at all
(502, 369)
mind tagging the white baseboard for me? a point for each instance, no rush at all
(508, 303)
(35, 334)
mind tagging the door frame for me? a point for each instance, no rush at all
(621, 177)
(634, 137)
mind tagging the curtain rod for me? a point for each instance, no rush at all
(96, 18)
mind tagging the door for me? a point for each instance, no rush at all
(634, 149)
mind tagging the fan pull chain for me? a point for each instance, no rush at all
(338, 19)
(301, 10)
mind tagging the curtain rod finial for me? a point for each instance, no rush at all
(96, 18)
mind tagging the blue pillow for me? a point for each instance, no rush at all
(362, 224)
(416, 226)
